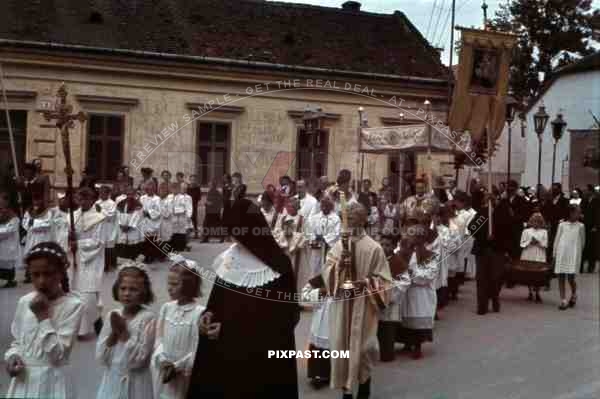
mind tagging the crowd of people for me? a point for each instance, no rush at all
(406, 257)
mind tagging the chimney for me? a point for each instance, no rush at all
(351, 6)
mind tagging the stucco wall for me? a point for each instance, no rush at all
(576, 95)
(158, 106)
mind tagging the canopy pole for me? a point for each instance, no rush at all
(11, 137)
(400, 176)
(489, 148)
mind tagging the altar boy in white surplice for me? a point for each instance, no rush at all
(108, 207)
(87, 276)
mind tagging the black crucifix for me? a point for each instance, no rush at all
(64, 120)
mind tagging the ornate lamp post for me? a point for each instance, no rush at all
(540, 120)
(511, 107)
(558, 128)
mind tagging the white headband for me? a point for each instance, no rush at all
(133, 265)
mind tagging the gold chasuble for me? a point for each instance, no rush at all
(353, 320)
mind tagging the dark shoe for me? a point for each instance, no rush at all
(318, 383)
(538, 298)
(481, 312)
(563, 306)
(530, 297)
(364, 390)
(10, 284)
(573, 301)
(496, 306)
(347, 396)
(98, 326)
(417, 353)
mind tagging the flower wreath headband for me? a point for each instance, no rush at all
(191, 265)
(133, 265)
(51, 251)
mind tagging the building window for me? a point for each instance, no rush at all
(213, 151)
(105, 145)
(18, 121)
(311, 155)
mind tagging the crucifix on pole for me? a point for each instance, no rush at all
(63, 119)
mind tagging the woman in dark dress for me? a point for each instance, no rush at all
(253, 301)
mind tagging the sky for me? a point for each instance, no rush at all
(434, 23)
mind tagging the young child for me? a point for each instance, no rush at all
(389, 215)
(10, 246)
(177, 331)
(268, 209)
(420, 304)
(568, 247)
(38, 222)
(127, 339)
(534, 241)
(130, 214)
(87, 277)
(44, 329)
(108, 208)
(166, 212)
(390, 319)
(289, 234)
(374, 218)
(151, 223)
(448, 242)
(61, 223)
(319, 368)
(182, 217)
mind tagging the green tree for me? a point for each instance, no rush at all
(552, 34)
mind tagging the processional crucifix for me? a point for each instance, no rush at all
(61, 113)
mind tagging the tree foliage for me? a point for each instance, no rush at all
(552, 34)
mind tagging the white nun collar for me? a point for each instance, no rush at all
(238, 266)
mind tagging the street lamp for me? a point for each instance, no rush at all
(558, 128)
(511, 108)
(540, 120)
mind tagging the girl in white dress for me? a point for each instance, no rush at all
(534, 241)
(568, 247)
(177, 331)
(44, 329)
(127, 338)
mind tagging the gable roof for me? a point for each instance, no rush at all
(271, 32)
(586, 64)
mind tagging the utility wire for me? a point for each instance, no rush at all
(430, 18)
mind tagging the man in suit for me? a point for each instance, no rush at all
(514, 213)
(554, 210)
(591, 253)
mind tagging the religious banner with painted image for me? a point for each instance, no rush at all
(403, 138)
(481, 86)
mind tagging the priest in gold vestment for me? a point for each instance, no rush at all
(354, 314)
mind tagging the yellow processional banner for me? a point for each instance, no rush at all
(479, 99)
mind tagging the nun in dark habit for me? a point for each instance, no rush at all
(254, 308)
